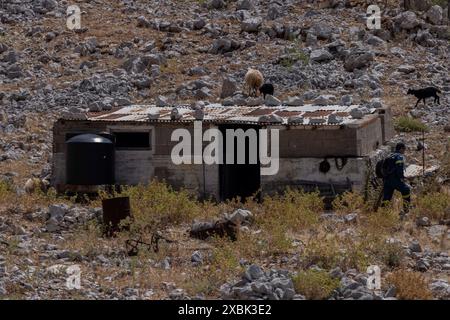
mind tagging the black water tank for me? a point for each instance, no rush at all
(89, 160)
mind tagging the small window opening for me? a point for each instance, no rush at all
(132, 140)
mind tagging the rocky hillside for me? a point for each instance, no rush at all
(182, 51)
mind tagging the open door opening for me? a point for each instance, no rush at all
(240, 180)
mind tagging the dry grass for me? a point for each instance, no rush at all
(348, 202)
(157, 205)
(314, 284)
(410, 285)
(434, 205)
(407, 124)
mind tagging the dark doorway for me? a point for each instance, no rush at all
(239, 180)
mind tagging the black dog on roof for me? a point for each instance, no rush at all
(422, 94)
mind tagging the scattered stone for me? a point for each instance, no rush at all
(293, 101)
(406, 69)
(356, 113)
(272, 118)
(272, 101)
(423, 222)
(240, 216)
(351, 218)
(407, 20)
(295, 120)
(229, 87)
(324, 100)
(434, 14)
(346, 100)
(162, 101)
(197, 257)
(358, 59)
(414, 246)
(216, 4)
(244, 5)
(251, 25)
(321, 55)
(334, 119)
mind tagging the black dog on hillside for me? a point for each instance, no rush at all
(266, 88)
(422, 94)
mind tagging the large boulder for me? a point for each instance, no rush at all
(224, 45)
(244, 5)
(216, 4)
(322, 31)
(435, 14)
(425, 38)
(251, 25)
(407, 20)
(418, 5)
(358, 59)
(321, 55)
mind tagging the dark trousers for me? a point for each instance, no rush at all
(392, 184)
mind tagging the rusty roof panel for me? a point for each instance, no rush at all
(216, 113)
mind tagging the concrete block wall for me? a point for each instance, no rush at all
(294, 170)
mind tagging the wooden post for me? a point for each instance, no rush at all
(423, 153)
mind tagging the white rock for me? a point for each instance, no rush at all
(347, 100)
(161, 101)
(272, 101)
(272, 118)
(293, 101)
(240, 215)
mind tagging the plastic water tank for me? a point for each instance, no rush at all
(90, 160)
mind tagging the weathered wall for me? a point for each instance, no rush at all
(293, 172)
(387, 124)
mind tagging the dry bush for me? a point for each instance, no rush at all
(384, 221)
(410, 285)
(315, 284)
(295, 210)
(432, 205)
(348, 202)
(392, 254)
(331, 251)
(157, 205)
(11, 202)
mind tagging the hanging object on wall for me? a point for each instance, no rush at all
(324, 166)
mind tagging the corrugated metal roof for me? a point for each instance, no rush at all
(217, 113)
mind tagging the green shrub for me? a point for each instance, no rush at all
(293, 210)
(157, 204)
(408, 124)
(315, 284)
(294, 54)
